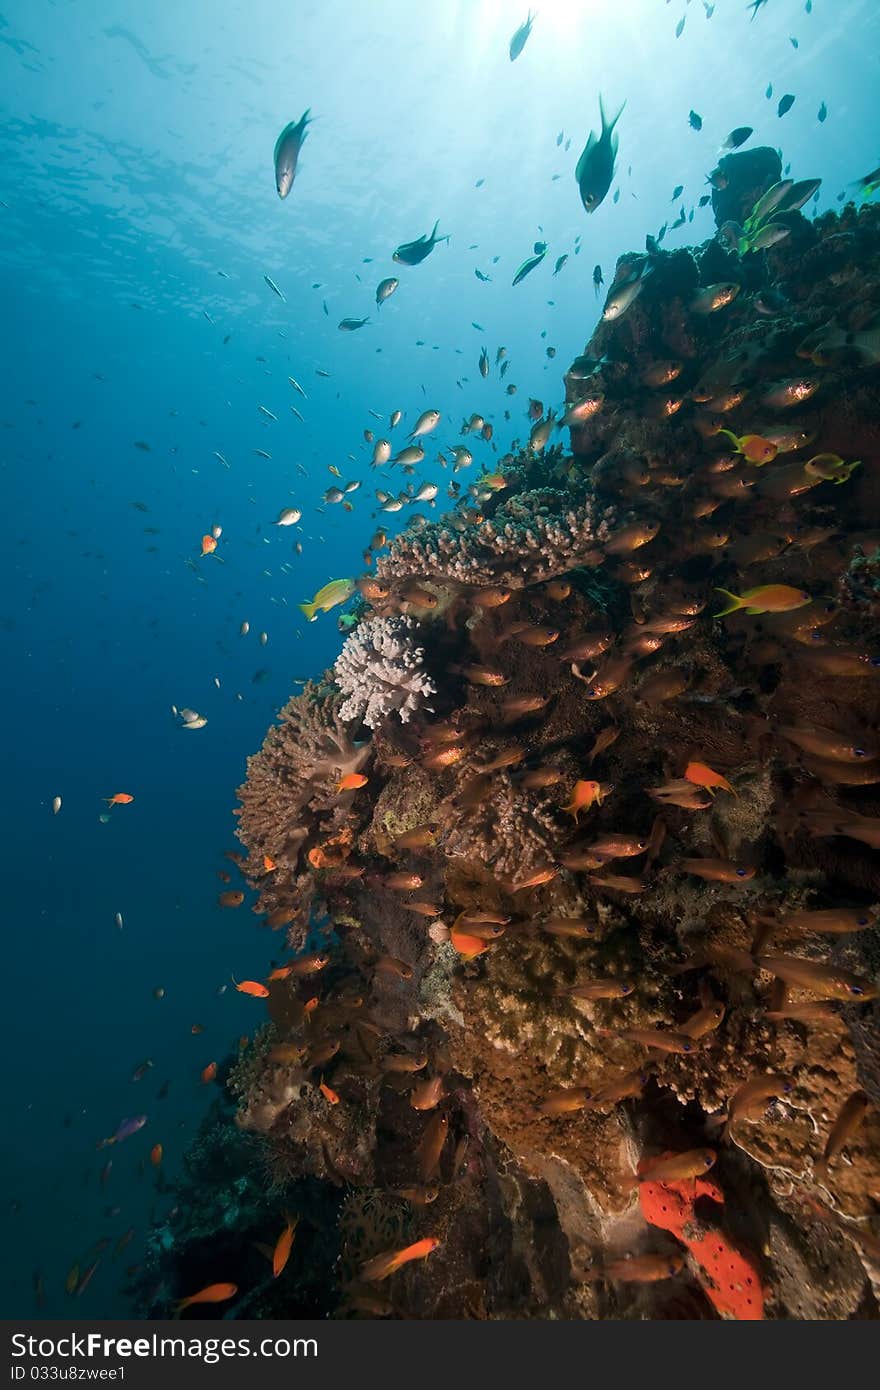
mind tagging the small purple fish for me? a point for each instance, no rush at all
(126, 1129)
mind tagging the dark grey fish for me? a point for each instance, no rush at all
(595, 168)
(738, 137)
(414, 252)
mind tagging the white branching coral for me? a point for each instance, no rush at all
(380, 670)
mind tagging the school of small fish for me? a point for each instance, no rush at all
(746, 495)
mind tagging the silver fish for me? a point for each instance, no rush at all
(385, 289)
(427, 421)
(287, 148)
(381, 452)
(624, 292)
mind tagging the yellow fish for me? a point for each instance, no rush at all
(336, 592)
(767, 598)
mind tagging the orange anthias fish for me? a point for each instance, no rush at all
(209, 1073)
(119, 799)
(269, 864)
(466, 944)
(352, 782)
(213, 1293)
(280, 972)
(583, 796)
(209, 545)
(156, 1155)
(703, 776)
(767, 598)
(252, 987)
(283, 1246)
(382, 1265)
(753, 447)
(328, 1094)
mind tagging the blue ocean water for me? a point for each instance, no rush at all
(138, 219)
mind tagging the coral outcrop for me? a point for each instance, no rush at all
(612, 888)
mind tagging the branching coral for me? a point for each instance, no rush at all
(380, 671)
(531, 537)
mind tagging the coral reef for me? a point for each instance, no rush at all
(614, 894)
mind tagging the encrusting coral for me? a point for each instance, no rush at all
(611, 889)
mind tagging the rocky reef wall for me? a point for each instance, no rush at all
(595, 886)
